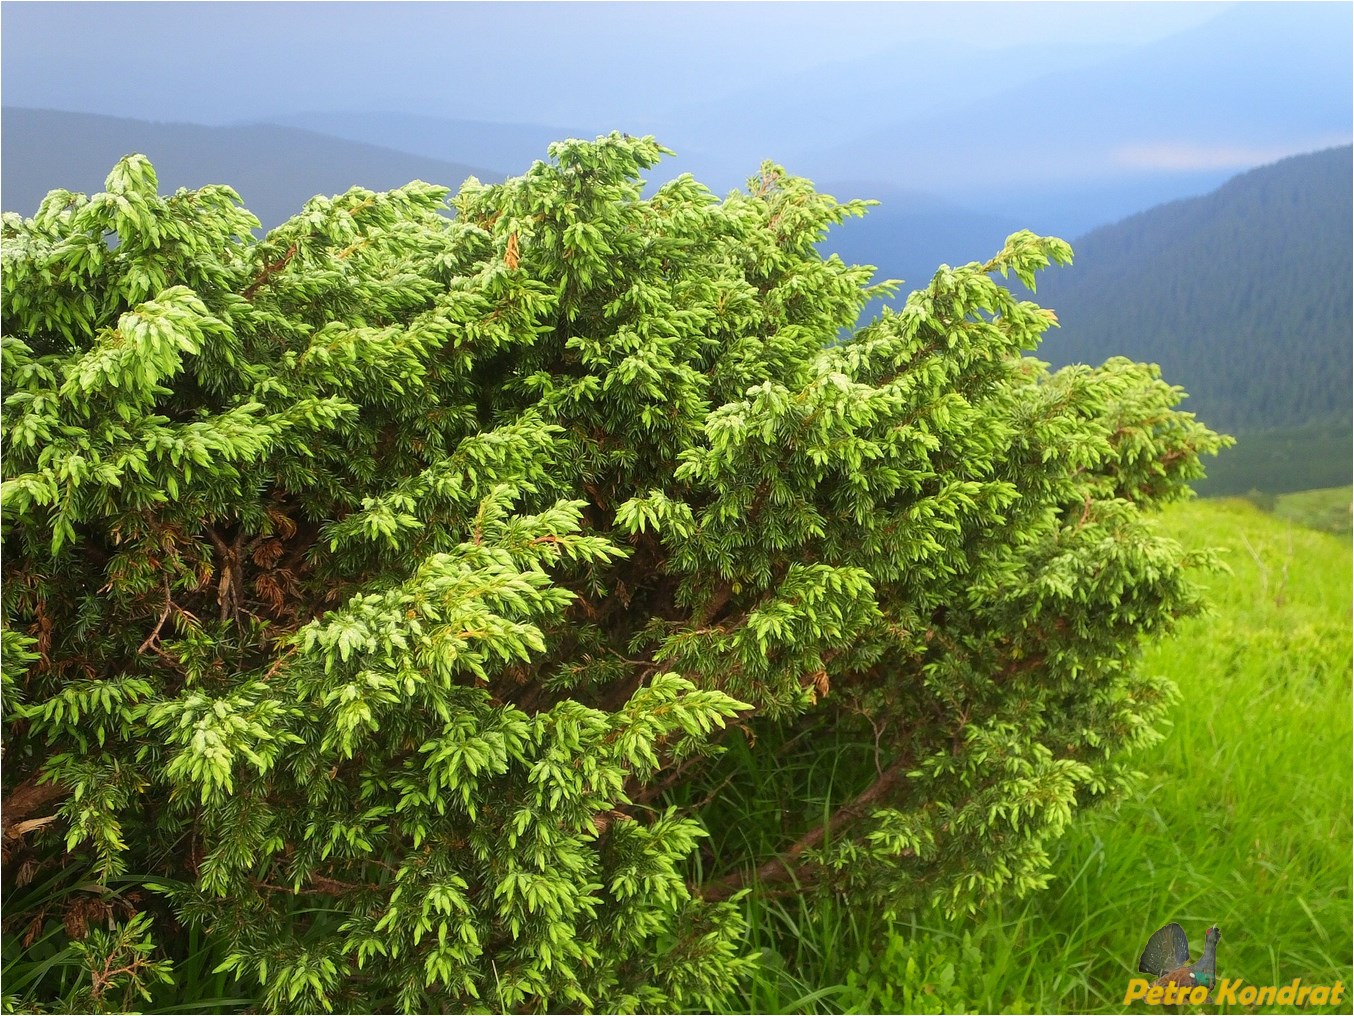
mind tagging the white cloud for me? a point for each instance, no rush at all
(1183, 156)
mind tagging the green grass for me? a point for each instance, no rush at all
(1244, 821)
(1327, 510)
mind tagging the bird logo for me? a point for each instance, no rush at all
(1167, 957)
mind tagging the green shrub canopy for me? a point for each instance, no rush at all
(373, 590)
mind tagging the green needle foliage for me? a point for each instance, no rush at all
(379, 595)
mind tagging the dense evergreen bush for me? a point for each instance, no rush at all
(372, 590)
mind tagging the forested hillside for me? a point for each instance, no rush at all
(1242, 296)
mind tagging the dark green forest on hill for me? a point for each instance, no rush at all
(1279, 461)
(1242, 296)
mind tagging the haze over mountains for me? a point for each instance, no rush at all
(274, 169)
(1061, 136)
(1083, 146)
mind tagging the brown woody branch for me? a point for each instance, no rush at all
(228, 594)
(320, 885)
(716, 603)
(268, 272)
(786, 866)
(99, 979)
(154, 636)
(28, 797)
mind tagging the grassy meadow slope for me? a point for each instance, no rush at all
(1244, 819)
(1328, 510)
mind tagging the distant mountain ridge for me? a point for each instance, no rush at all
(909, 234)
(274, 169)
(1243, 296)
(511, 146)
(1085, 146)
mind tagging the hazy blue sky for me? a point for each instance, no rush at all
(1061, 113)
(558, 62)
